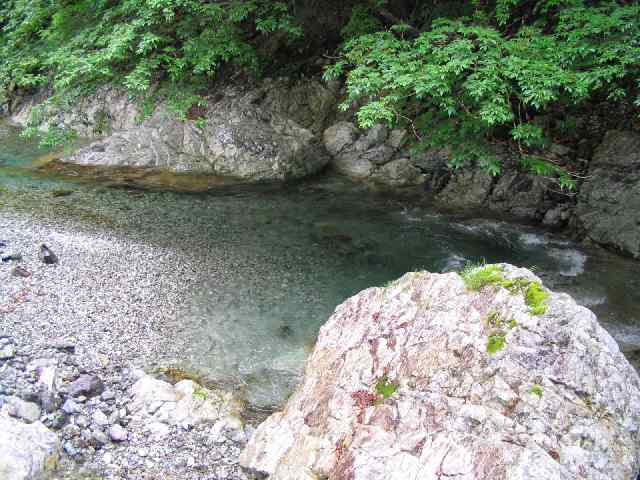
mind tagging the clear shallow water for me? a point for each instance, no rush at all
(274, 261)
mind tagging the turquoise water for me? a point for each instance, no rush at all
(274, 261)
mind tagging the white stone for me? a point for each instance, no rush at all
(458, 411)
(26, 451)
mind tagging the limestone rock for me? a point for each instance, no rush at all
(469, 188)
(609, 200)
(185, 403)
(27, 411)
(26, 451)
(399, 173)
(401, 385)
(86, 385)
(238, 136)
(340, 136)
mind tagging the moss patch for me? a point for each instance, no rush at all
(476, 277)
(496, 342)
(386, 388)
(535, 296)
(537, 391)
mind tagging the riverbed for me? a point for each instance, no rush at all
(251, 273)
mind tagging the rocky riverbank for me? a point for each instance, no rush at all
(285, 129)
(74, 337)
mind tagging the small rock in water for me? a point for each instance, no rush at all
(13, 257)
(47, 255)
(21, 272)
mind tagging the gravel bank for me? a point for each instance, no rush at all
(104, 312)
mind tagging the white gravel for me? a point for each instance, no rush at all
(107, 309)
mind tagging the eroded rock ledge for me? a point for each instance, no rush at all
(430, 379)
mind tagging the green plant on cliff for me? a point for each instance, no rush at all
(462, 82)
(74, 45)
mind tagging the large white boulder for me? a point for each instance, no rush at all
(427, 379)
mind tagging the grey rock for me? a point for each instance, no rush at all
(56, 420)
(520, 194)
(47, 256)
(98, 437)
(108, 395)
(559, 150)
(70, 407)
(86, 385)
(557, 217)
(82, 421)
(27, 411)
(237, 138)
(117, 433)
(398, 173)
(469, 188)
(609, 199)
(27, 451)
(184, 404)
(376, 135)
(397, 138)
(524, 411)
(99, 418)
(339, 137)
(378, 155)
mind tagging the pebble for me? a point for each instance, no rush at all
(86, 385)
(21, 272)
(97, 337)
(99, 418)
(117, 433)
(70, 407)
(82, 421)
(108, 395)
(8, 351)
(47, 256)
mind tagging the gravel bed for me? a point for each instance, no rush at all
(104, 311)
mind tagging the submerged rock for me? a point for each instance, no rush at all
(26, 451)
(429, 379)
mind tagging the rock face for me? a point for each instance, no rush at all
(26, 451)
(238, 136)
(401, 385)
(609, 201)
(373, 156)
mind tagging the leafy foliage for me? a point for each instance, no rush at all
(462, 82)
(73, 45)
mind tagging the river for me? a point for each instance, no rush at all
(275, 260)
